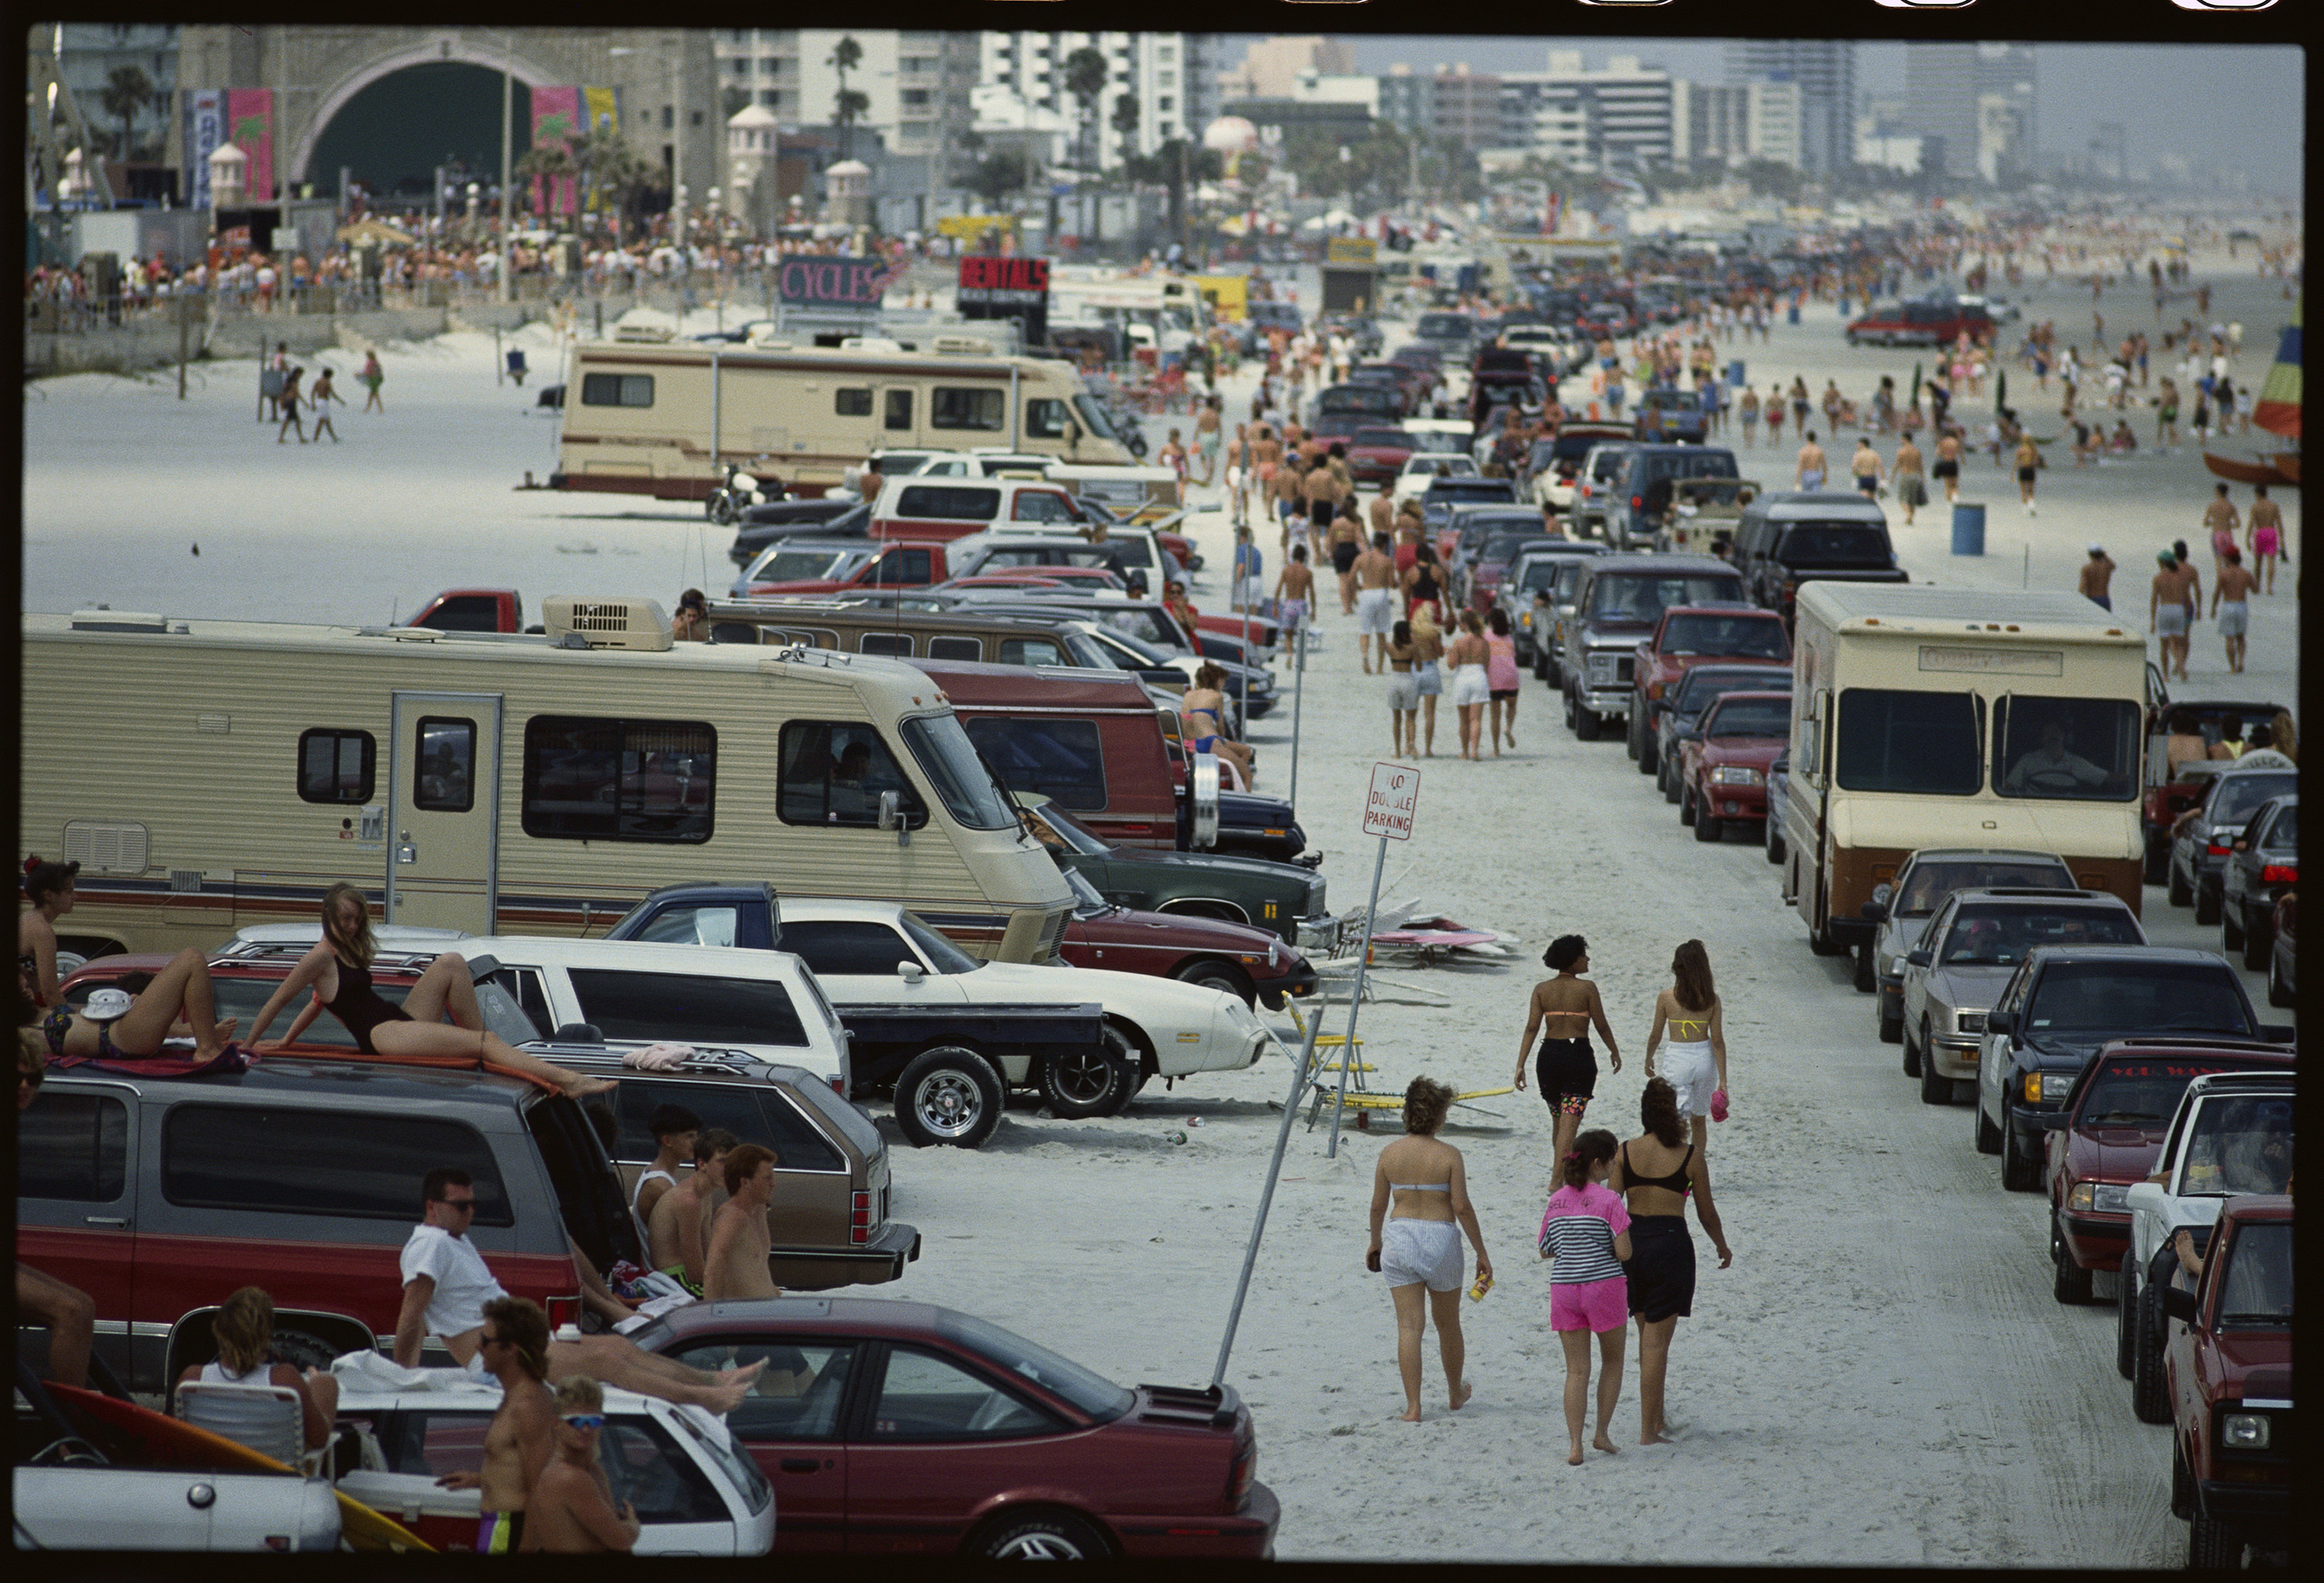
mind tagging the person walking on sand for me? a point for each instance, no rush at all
(1295, 591)
(1564, 1009)
(1207, 437)
(1660, 1172)
(1374, 571)
(2221, 518)
(1427, 674)
(1774, 413)
(1809, 471)
(1403, 692)
(2171, 600)
(372, 378)
(1912, 489)
(2267, 528)
(1464, 660)
(1947, 469)
(2098, 578)
(1418, 1245)
(2029, 462)
(2231, 592)
(1585, 1234)
(1748, 409)
(321, 397)
(290, 400)
(1501, 678)
(1868, 467)
(1346, 543)
(1695, 1063)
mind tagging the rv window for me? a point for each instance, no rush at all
(1058, 757)
(955, 648)
(900, 411)
(1031, 651)
(953, 406)
(617, 390)
(1045, 418)
(960, 778)
(363, 1165)
(887, 642)
(2077, 749)
(599, 780)
(831, 773)
(851, 401)
(1922, 743)
(443, 779)
(692, 1006)
(73, 1146)
(336, 766)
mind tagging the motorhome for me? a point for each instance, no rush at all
(665, 419)
(500, 782)
(1948, 718)
(1164, 312)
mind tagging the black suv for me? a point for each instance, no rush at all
(1787, 539)
(1620, 600)
(1640, 490)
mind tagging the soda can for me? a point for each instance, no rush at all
(1193, 1121)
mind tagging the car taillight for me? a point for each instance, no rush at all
(1244, 1472)
(2279, 873)
(859, 1218)
(2216, 849)
(838, 1085)
(1638, 501)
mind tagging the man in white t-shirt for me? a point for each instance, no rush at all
(446, 1284)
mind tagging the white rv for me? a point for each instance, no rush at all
(500, 783)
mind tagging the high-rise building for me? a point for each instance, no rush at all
(1172, 77)
(1824, 73)
(1270, 67)
(916, 83)
(88, 54)
(1624, 116)
(1948, 88)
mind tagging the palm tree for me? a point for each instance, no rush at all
(1085, 76)
(844, 58)
(608, 165)
(127, 91)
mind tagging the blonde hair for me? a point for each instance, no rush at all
(1423, 620)
(580, 1393)
(243, 1328)
(360, 945)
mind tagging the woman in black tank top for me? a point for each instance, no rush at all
(1658, 1172)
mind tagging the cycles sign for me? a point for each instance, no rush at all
(836, 281)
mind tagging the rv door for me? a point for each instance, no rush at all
(443, 811)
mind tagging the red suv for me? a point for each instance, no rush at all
(2229, 1369)
(1688, 636)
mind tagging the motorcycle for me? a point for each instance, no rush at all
(725, 502)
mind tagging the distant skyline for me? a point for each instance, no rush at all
(2081, 85)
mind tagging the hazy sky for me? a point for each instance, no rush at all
(2169, 97)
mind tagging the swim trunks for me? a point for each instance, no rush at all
(1811, 479)
(2170, 621)
(1567, 1072)
(1414, 1251)
(1374, 611)
(2235, 618)
(499, 1533)
(1343, 558)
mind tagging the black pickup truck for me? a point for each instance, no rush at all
(1785, 540)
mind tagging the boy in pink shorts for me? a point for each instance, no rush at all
(1586, 1230)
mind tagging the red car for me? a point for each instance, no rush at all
(1723, 772)
(1688, 636)
(2227, 1367)
(1081, 579)
(906, 1429)
(1251, 963)
(1376, 456)
(2109, 1133)
(897, 563)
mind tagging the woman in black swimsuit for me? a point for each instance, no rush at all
(1658, 1172)
(338, 972)
(1563, 1009)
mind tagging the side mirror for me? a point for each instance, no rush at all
(2179, 1303)
(891, 817)
(2146, 1196)
(1918, 956)
(1884, 892)
(1875, 910)
(2002, 1023)
(910, 972)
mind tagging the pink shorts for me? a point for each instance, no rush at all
(1589, 1305)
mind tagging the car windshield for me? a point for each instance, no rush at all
(2240, 1143)
(2074, 749)
(2256, 1289)
(1086, 900)
(943, 955)
(801, 566)
(2151, 997)
(1061, 831)
(2001, 936)
(1442, 326)
(1396, 438)
(1644, 596)
(1572, 447)
(1432, 443)
(2238, 797)
(1748, 717)
(962, 779)
(1541, 572)
(2141, 1091)
(1698, 687)
(1921, 743)
(1674, 401)
(1836, 544)
(1928, 885)
(1092, 417)
(1726, 634)
(1012, 1353)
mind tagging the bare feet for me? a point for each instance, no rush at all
(743, 1376)
(1657, 1437)
(1605, 1444)
(1461, 1397)
(1409, 1415)
(581, 1087)
(1575, 1460)
(726, 1400)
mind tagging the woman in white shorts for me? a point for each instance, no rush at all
(1418, 1247)
(1695, 1062)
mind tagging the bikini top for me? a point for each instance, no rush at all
(1677, 1181)
(1421, 1187)
(1701, 1024)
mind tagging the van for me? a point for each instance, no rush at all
(494, 782)
(1638, 491)
(932, 508)
(1916, 713)
(1125, 489)
(873, 628)
(664, 420)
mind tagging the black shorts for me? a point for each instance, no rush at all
(1322, 512)
(1343, 558)
(1504, 693)
(1661, 1267)
(2026, 475)
(1568, 1074)
(1945, 470)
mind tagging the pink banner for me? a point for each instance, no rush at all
(556, 118)
(250, 127)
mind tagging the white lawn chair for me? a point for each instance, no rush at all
(270, 1419)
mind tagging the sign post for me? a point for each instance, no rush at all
(1388, 811)
(1266, 1196)
(1298, 692)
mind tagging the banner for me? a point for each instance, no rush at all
(994, 286)
(250, 127)
(813, 281)
(205, 130)
(556, 117)
(1351, 250)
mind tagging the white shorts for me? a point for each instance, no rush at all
(1470, 686)
(1414, 1251)
(2235, 618)
(1375, 610)
(1692, 1071)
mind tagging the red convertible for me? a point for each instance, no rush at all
(1723, 772)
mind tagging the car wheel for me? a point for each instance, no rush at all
(1988, 1137)
(2231, 930)
(1775, 838)
(2207, 904)
(1541, 668)
(2158, 861)
(1093, 1081)
(1650, 758)
(1685, 803)
(948, 1095)
(1666, 778)
(1822, 942)
(1587, 723)
(1936, 1089)
(1707, 828)
(2070, 1282)
(2181, 894)
(2125, 1317)
(1891, 1029)
(2021, 1173)
(1911, 1052)
(2279, 993)
(2147, 1401)
(2259, 942)
(2182, 1483)
(1864, 980)
(1565, 696)
(304, 1350)
(1052, 1536)
(1631, 746)
(2211, 1545)
(1215, 975)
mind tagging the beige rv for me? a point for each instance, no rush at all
(500, 783)
(1951, 718)
(663, 420)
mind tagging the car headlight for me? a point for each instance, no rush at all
(2244, 1431)
(2048, 1087)
(2102, 1197)
(1736, 775)
(1601, 668)
(1968, 1021)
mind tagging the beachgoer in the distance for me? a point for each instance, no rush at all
(2097, 576)
(372, 377)
(1374, 573)
(1501, 678)
(1419, 1245)
(2267, 528)
(1659, 1173)
(1564, 1009)
(690, 622)
(677, 1229)
(1695, 1063)
(1465, 658)
(1403, 693)
(1294, 590)
(1585, 1233)
(2231, 593)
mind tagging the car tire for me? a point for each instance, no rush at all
(1911, 1055)
(1685, 803)
(1707, 828)
(2148, 1402)
(2180, 892)
(2125, 1318)
(1822, 942)
(1936, 1089)
(2259, 942)
(2070, 1284)
(1774, 836)
(1213, 974)
(302, 1349)
(2182, 1483)
(1587, 724)
(1650, 758)
(2279, 993)
(1988, 1137)
(948, 1094)
(1865, 981)
(1666, 778)
(2231, 930)
(2021, 1173)
(2212, 1546)
(1632, 748)
(1049, 1536)
(1891, 1029)
(2207, 904)
(2158, 861)
(1088, 1082)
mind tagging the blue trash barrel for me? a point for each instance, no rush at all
(1968, 529)
(1793, 314)
(1735, 373)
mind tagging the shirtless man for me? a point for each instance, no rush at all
(1809, 473)
(1948, 465)
(2171, 599)
(675, 1129)
(1320, 491)
(1562, 1011)
(2266, 526)
(2231, 593)
(1289, 497)
(1347, 542)
(1375, 576)
(679, 1229)
(1207, 437)
(1909, 489)
(514, 1348)
(736, 1263)
(1294, 587)
(571, 1509)
(2220, 520)
(2098, 578)
(1868, 467)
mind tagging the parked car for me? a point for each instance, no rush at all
(1550, 481)
(2282, 958)
(1901, 908)
(2064, 1002)
(1928, 321)
(1437, 501)
(1666, 412)
(2205, 835)
(1553, 612)
(2233, 1134)
(2227, 1371)
(1703, 514)
(1688, 635)
(2107, 1137)
(2262, 865)
(912, 1429)
(1695, 690)
(934, 510)
(1593, 491)
(2186, 745)
(1524, 595)
(979, 554)
(1723, 769)
(829, 517)
(1377, 455)
(791, 567)
(1788, 537)
(1620, 600)
(696, 1491)
(1450, 334)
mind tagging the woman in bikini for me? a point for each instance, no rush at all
(1695, 1064)
(1563, 1010)
(1501, 678)
(1419, 1245)
(1403, 694)
(49, 886)
(1659, 1173)
(1427, 677)
(111, 1026)
(1201, 713)
(338, 973)
(1464, 664)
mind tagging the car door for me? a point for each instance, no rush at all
(857, 960)
(443, 811)
(76, 1196)
(940, 1438)
(792, 1426)
(1916, 979)
(1994, 1049)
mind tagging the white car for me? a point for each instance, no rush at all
(76, 1504)
(1423, 467)
(696, 1491)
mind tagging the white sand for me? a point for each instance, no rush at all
(1883, 1377)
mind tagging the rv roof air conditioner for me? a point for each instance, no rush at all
(644, 332)
(638, 624)
(871, 343)
(963, 346)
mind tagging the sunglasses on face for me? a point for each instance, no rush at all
(467, 1204)
(586, 1420)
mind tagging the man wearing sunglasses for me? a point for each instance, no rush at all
(571, 1509)
(513, 1348)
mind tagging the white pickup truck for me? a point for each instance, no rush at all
(2232, 1134)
